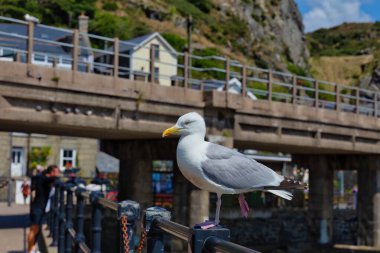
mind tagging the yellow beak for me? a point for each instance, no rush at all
(170, 131)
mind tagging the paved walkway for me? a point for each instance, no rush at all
(13, 228)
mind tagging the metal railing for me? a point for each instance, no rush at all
(113, 57)
(67, 227)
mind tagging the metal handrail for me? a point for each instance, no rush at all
(173, 228)
(214, 244)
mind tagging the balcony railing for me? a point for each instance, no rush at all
(109, 56)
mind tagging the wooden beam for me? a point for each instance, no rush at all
(30, 41)
(269, 85)
(244, 81)
(75, 52)
(116, 58)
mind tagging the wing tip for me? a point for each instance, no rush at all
(283, 194)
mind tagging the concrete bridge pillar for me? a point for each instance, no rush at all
(368, 168)
(320, 204)
(136, 162)
(320, 211)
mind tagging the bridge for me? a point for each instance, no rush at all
(326, 126)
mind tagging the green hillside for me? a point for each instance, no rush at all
(347, 39)
(348, 54)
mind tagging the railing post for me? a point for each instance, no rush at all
(50, 216)
(269, 85)
(17, 57)
(199, 237)
(152, 61)
(30, 41)
(116, 57)
(244, 81)
(227, 79)
(61, 238)
(375, 104)
(316, 93)
(294, 89)
(75, 51)
(337, 97)
(357, 100)
(79, 237)
(96, 222)
(69, 217)
(155, 238)
(185, 69)
(55, 209)
(129, 210)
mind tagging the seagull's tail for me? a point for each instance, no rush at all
(281, 193)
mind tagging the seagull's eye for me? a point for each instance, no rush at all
(187, 122)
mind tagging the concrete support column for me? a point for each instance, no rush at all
(376, 219)
(200, 206)
(320, 199)
(368, 168)
(136, 158)
(320, 208)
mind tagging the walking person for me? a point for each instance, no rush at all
(25, 189)
(41, 185)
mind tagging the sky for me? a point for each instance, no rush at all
(328, 13)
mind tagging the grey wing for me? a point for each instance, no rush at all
(234, 170)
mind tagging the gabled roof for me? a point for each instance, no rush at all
(138, 42)
(40, 32)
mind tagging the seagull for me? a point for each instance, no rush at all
(222, 170)
(31, 18)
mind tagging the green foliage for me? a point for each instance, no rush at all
(260, 62)
(176, 41)
(296, 69)
(110, 6)
(55, 12)
(203, 5)
(109, 25)
(347, 39)
(186, 8)
(208, 63)
(39, 156)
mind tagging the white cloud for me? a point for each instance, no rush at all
(329, 13)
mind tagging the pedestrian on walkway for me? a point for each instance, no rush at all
(25, 189)
(41, 185)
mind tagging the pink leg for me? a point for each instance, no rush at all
(244, 208)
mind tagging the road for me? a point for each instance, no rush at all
(14, 222)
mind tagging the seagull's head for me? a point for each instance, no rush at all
(190, 123)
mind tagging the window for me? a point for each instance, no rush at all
(162, 183)
(156, 51)
(156, 74)
(67, 158)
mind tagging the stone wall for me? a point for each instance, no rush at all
(287, 231)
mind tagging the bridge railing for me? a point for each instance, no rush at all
(64, 48)
(67, 226)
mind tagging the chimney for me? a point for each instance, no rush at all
(83, 23)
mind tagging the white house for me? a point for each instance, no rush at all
(135, 57)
